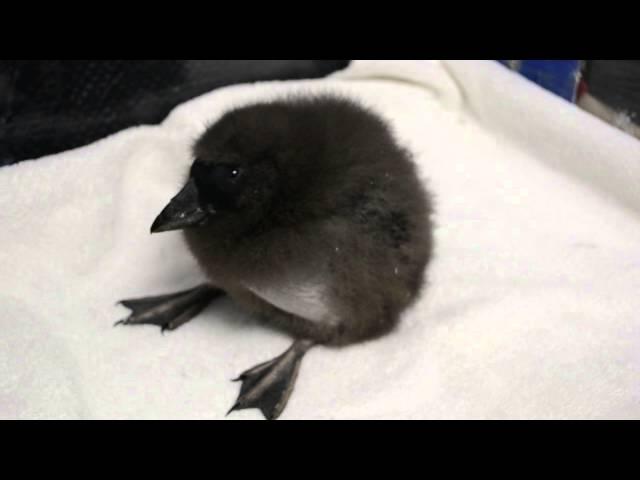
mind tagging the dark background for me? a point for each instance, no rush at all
(49, 106)
(615, 83)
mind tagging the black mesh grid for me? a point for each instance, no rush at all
(48, 106)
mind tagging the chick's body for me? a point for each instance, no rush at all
(329, 232)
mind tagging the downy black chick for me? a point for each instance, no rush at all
(306, 212)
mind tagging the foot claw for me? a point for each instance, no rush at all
(235, 406)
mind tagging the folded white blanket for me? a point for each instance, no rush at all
(531, 310)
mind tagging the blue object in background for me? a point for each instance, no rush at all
(558, 76)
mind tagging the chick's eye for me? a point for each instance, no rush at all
(226, 173)
(227, 177)
(218, 179)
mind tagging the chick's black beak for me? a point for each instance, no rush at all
(183, 211)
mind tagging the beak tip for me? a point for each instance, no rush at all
(183, 211)
(155, 227)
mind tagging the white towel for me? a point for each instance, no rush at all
(532, 308)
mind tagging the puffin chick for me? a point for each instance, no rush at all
(307, 213)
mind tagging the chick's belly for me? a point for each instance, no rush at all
(280, 304)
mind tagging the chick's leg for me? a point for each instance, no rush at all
(169, 311)
(268, 386)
